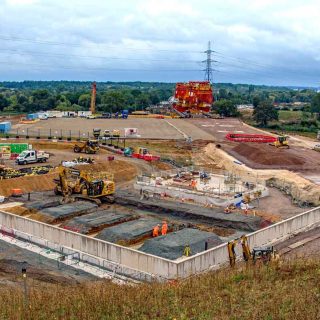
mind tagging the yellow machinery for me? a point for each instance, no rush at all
(282, 142)
(232, 254)
(115, 133)
(89, 186)
(245, 248)
(89, 147)
(264, 254)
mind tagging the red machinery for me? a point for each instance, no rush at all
(194, 96)
(243, 137)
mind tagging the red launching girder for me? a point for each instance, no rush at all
(243, 137)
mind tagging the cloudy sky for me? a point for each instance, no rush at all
(255, 41)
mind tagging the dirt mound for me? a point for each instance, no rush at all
(122, 170)
(267, 155)
(28, 184)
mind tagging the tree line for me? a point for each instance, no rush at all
(32, 96)
(107, 100)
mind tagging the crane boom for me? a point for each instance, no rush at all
(93, 98)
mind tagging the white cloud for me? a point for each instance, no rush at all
(279, 35)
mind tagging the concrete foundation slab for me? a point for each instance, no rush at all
(43, 204)
(198, 213)
(172, 245)
(95, 222)
(65, 211)
(129, 232)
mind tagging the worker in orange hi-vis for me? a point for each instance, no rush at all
(164, 228)
(155, 231)
(193, 184)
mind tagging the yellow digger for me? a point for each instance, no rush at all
(88, 186)
(281, 142)
(89, 147)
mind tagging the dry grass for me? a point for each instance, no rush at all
(289, 291)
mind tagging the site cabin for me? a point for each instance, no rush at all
(32, 156)
(84, 114)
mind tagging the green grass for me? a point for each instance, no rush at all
(287, 291)
(286, 115)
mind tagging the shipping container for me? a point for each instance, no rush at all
(5, 126)
(32, 116)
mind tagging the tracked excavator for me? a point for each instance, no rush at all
(76, 184)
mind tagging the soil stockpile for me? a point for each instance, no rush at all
(122, 170)
(268, 155)
(97, 221)
(65, 211)
(129, 232)
(28, 184)
(171, 246)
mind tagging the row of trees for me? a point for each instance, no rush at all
(33, 96)
(111, 100)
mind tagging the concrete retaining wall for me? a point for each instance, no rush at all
(213, 258)
(124, 256)
(218, 256)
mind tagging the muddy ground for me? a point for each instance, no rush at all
(39, 269)
(299, 158)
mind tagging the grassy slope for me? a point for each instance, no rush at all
(287, 291)
(284, 116)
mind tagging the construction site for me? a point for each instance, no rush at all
(140, 198)
(142, 207)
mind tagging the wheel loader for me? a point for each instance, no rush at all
(89, 147)
(77, 184)
(281, 142)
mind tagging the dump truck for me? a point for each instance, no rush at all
(89, 147)
(92, 186)
(32, 156)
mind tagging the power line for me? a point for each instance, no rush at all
(19, 52)
(70, 44)
(100, 68)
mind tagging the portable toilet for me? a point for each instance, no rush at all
(5, 126)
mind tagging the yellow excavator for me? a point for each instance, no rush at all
(281, 142)
(84, 185)
(89, 147)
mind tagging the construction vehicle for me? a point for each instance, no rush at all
(232, 253)
(140, 153)
(85, 185)
(265, 254)
(89, 147)
(115, 133)
(281, 142)
(96, 133)
(32, 156)
(316, 147)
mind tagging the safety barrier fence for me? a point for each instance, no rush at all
(151, 267)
